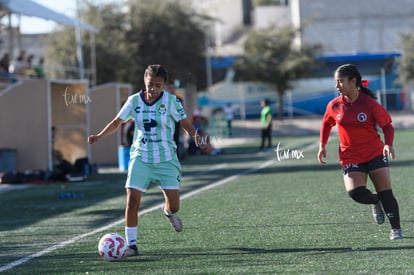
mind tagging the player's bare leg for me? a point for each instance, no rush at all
(171, 207)
(131, 220)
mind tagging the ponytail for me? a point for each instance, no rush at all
(367, 91)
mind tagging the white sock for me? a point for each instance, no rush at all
(166, 213)
(131, 235)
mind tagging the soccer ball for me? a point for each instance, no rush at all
(112, 247)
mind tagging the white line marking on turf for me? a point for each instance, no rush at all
(144, 211)
(215, 167)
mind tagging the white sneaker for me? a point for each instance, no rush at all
(378, 213)
(174, 220)
(396, 234)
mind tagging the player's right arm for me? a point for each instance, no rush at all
(327, 123)
(322, 153)
(109, 129)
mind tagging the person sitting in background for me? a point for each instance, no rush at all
(61, 167)
(200, 124)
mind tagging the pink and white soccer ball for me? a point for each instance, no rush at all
(112, 247)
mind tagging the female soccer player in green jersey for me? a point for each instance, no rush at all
(153, 155)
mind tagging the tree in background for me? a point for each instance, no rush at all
(271, 58)
(406, 63)
(168, 33)
(130, 37)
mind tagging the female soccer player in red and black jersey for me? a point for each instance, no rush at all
(362, 153)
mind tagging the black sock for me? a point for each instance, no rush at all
(363, 195)
(390, 205)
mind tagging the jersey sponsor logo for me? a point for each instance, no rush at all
(138, 110)
(362, 117)
(149, 123)
(150, 140)
(162, 109)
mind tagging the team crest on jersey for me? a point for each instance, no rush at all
(362, 117)
(163, 109)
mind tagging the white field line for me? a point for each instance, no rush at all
(142, 212)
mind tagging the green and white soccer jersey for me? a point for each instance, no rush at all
(154, 126)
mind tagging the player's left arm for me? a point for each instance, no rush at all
(192, 132)
(383, 118)
(388, 150)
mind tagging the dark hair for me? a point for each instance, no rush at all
(156, 70)
(351, 71)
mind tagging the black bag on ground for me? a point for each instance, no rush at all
(81, 169)
(11, 177)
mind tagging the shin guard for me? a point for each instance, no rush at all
(363, 195)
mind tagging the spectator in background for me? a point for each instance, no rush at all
(199, 118)
(6, 75)
(4, 68)
(30, 71)
(39, 70)
(266, 122)
(200, 123)
(19, 66)
(197, 122)
(229, 114)
(5, 63)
